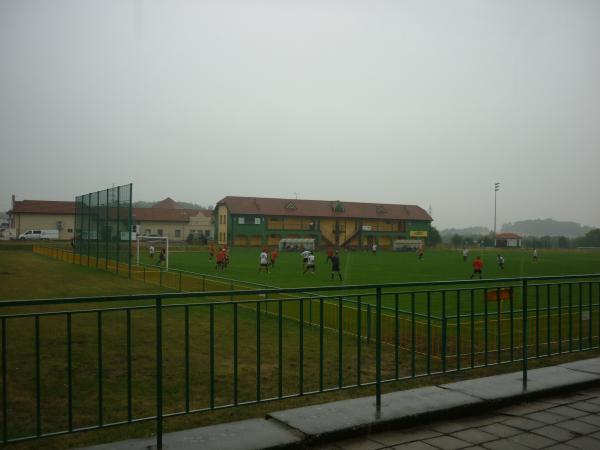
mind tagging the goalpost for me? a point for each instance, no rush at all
(153, 239)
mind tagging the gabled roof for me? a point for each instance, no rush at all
(508, 236)
(203, 212)
(167, 203)
(176, 214)
(322, 208)
(43, 207)
(162, 214)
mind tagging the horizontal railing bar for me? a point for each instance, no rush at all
(253, 302)
(74, 311)
(81, 429)
(169, 295)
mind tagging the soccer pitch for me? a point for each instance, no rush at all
(361, 267)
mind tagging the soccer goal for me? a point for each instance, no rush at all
(407, 245)
(152, 245)
(292, 244)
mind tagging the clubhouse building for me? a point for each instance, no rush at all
(253, 221)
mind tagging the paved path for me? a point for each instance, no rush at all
(541, 418)
(557, 422)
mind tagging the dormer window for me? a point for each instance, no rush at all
(380, 209)
(290, 206)
(338, 207)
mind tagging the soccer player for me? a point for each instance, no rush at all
(211, 252)
(151, 251)
(465, 254)
(305, 254)
(335, 265)
(374, 249)
(274, 256)
(329, 254)
(501, 262)
(477, 267)
(310, 263)
(162, 257)
(535, 255)
(226, 257)
(264, 261)
(420, 252)
(220, 259)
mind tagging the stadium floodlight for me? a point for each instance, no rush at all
(496, 189)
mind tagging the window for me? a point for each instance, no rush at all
(241, 220)
(177, 233)
(69, 230)
(147, 231)
(160, 232)
(257, 221)
(338, 207)
(206, 232)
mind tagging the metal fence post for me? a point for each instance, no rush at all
(159, 382)
(378, 355)
(525, 339)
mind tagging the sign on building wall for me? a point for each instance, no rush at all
(418, 234)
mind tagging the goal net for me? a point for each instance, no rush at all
(149, 248)
(293, 244)
(407, 245)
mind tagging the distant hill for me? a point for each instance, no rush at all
(546, 227)
(185, 205)
(469, 231)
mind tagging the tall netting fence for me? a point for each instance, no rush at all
(104, 228)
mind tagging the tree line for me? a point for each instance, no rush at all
(590, 239)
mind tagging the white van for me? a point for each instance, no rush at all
(39, 234)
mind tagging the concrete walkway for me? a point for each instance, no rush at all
(541, 419)
(564, 421)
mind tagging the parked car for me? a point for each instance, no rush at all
(39, 235)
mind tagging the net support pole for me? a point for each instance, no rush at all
(137, 240)
(525, 338)
(378, 355)
(130, 228)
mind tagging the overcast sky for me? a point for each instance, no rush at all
(416, 102)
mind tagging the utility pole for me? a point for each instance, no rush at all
(496, 189)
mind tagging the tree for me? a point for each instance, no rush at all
(434, 237)
(563, 242)
(591, 239)
(457, 240)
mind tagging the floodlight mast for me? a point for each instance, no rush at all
(496, 189)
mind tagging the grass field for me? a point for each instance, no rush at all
(390, 267)
(24, 275)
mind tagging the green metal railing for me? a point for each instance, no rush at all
(76, 364)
